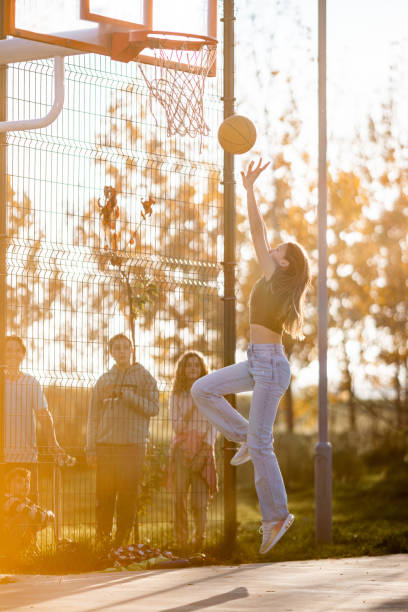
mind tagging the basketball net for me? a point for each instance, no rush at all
(180, 92)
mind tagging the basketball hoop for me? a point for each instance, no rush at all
(181, 63)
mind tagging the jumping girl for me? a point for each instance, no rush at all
(276, 305)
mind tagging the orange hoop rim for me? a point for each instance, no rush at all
(129, 46)
(163, 39)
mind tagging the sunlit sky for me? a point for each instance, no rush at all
(364, 38)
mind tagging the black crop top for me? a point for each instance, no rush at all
(262, 307)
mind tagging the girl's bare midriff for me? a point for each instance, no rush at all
(262, 335)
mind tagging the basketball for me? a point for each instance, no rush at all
(237, 134)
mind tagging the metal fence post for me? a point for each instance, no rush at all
(323, 450)
(230, 509)
(3, 239)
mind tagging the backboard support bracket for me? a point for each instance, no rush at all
(52, 115)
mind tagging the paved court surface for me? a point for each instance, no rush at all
(365, 583)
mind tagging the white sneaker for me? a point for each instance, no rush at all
(273, 531)
(242, 455)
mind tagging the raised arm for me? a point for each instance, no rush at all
(256, 222)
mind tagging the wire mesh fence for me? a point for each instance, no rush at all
(113, 228)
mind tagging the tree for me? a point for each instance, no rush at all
(349, 276)
(386, 173)
(140, 290)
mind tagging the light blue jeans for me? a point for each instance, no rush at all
(267, 374)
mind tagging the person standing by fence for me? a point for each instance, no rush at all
(192, 461)
(25, 408)
(123, 401)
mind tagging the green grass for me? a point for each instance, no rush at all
(370, 517)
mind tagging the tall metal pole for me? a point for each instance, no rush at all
(3, 239)
(323, 450)
(230, 509)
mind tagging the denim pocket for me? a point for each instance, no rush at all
(262, 370)
(283, 373)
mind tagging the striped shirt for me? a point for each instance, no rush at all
(24, 401)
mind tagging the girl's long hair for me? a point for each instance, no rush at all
(289, 286)
(180, 381)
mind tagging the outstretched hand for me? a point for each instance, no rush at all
(249, 178)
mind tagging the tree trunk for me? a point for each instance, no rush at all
(348, 386)
(405, 408)
(131, 315)
(398, 403)
(351, 402)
